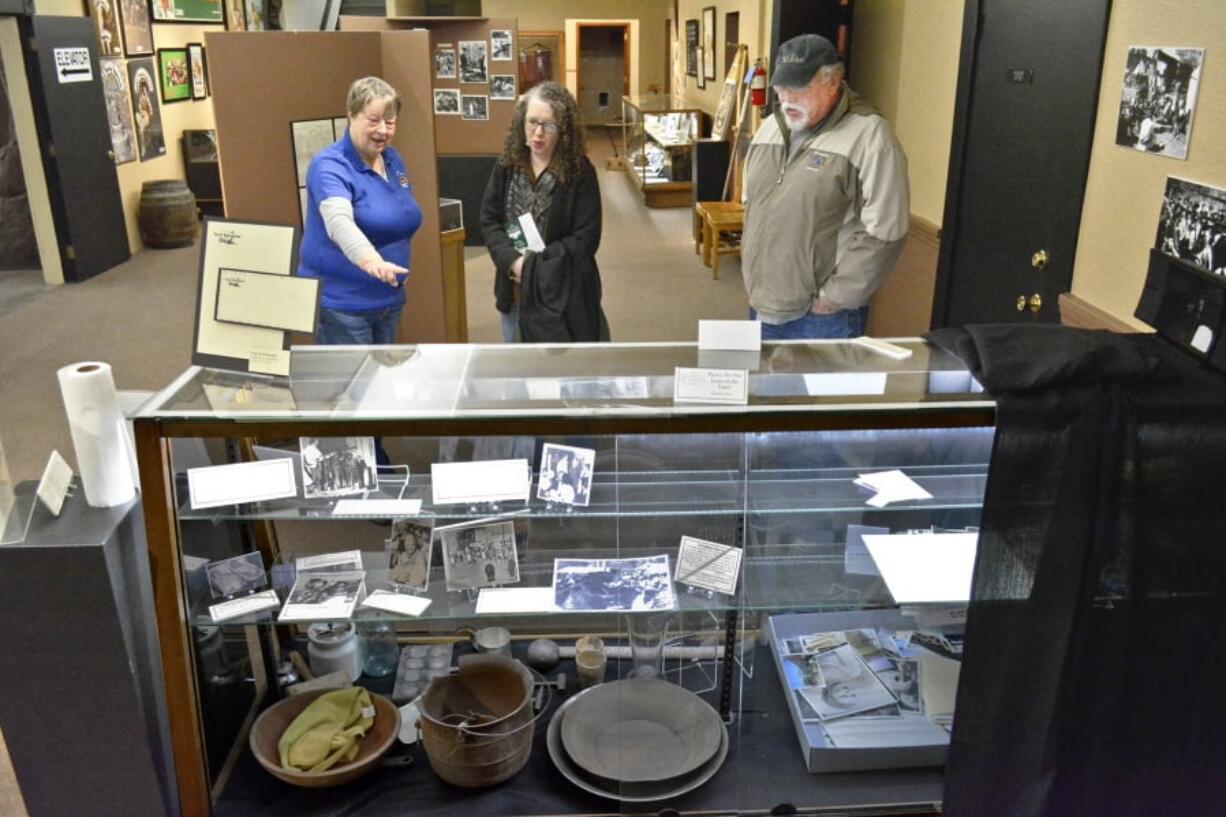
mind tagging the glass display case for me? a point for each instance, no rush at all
(658, 134)
(650, 561)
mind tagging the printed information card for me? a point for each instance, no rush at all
(724, 386)
(708, 565)
(245, 605)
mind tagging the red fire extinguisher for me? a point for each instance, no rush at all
(757, 85)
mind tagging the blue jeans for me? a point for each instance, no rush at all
(509, 321)
(846, 323)
(338, 327)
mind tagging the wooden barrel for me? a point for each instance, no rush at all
(168, 214)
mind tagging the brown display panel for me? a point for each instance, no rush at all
(455, 136)
(255, 149)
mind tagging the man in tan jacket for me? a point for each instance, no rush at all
(826, 201)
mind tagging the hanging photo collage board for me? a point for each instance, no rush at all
(469, 74)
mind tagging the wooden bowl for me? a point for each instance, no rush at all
(272, 723)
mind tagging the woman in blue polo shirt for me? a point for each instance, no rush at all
(360, 217)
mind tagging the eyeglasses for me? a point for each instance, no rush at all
(375, 122)
(548, 127)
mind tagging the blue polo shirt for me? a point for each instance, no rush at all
(385, 212)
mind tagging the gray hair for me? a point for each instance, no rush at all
(371, 89)
(832, 71)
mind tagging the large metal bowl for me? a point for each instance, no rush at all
(646, 792)
(640, 730)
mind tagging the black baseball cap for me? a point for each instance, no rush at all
(800, 58)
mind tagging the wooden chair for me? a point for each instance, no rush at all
(721, 233)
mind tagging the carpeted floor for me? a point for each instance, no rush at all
(138, 318)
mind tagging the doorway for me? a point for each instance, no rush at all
(732, 38)
(1024, 125)
(603, 71)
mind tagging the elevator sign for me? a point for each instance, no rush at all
(72, 65)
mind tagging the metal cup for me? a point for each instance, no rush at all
(495, 640)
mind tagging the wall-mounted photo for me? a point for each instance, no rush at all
(187, 11)
(446, 102)
(137, 32)
(118, 110)
(474, 107)
(255, 15)
(146, 113)
(691, 48)
(708, 42)
(502, 86)
(1158, 100)
(500, 45)
(473, 67)
(236, 15)
(444, 61)
(199, 70)
(175, 78)
(1192, 225)
(106, 25)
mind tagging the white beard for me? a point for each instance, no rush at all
(798, 124)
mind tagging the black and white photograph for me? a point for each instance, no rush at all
(338, 466)
(237, 576)
(444, 61)
(566, 474)
(1158, 100)
(1192, 224)
(902, 678)
(321, 596)
(479, 554)
(500, 45)
(613, 584)
(502, 86)
(446, 102)
(848, 686)
(408, 555)
(473, 67)
(473, 106)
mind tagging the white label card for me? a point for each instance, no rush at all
(736, 336)
(53, 487)
(456, 483)
(266, 299)
(927, 567)
(400, 603)
(1202, 339)
(531, 234)
(218, 485)
(725, 386)
(377, 507)
(708, 565)
(247, 604)
(845, 383)
(502, 600)
(347, 558)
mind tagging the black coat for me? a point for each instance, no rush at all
(560, 298)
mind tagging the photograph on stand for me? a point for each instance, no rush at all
(409, 550)
(566, 474)
(613, 584)
(237, 576)
(337, 466)
(1192, 225)
(479, 554)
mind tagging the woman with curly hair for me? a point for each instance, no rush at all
(541, 218)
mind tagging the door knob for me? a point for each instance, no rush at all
(1039, 259)
(1034, 303)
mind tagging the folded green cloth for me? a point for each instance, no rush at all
(327, 731)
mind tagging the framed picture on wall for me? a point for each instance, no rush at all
(700, 79)
(106, 25)
(502, 86)
(475, 107)
(199, 70)
(137, 31)
(145, 111)
(500, 45)
(473, 61)
(187, 11)
(444, 61)
(173, 75)
(118, 109)
(708, 42)
(691, 48)
(446, 101)
(255, 15)
(236, 15)
(541, 57)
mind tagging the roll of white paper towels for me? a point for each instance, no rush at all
(99, 435)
